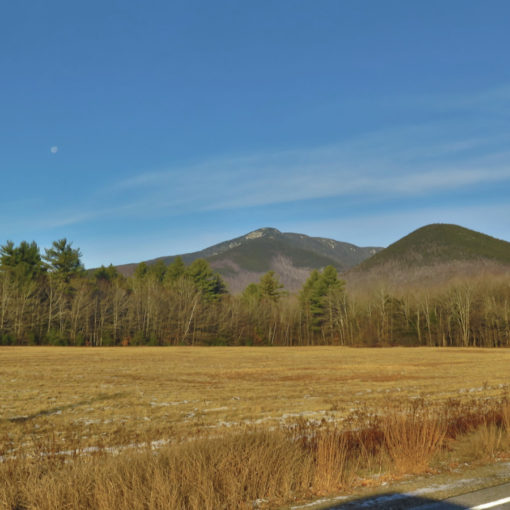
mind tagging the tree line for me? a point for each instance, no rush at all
(51, 299)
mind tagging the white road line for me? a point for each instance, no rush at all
(491, 504)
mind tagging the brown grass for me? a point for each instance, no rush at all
(351, 414)
(412, 438)
(116, 396)
(227, 472)
(260, 466)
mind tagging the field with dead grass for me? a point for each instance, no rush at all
(315, 418)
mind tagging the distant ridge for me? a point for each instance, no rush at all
(436, 252)
(292, 256)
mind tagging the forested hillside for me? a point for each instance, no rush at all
(440, 243)
(245, 259)
(50, 299)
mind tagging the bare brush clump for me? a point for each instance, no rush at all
(489, 440)
(259, 466)
(412, 437)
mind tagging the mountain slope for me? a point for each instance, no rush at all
(292, 256)
(436, 252)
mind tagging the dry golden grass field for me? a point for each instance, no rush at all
(79, 402)
(111, 396)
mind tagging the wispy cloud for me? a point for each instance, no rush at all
(413, 161)
(380, 166)
(383, 166)
(492, 100)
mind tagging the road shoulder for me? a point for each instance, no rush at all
(403, 493)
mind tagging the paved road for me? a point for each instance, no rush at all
(496, 498)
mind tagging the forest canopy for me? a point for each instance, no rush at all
(51, 299)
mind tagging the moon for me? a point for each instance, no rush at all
(54, 149)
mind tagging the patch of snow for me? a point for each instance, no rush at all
(88, 422)
(227, 424)
(114, 450)
(319, 501)
(437, 488)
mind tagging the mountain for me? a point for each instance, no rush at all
(292, 256)
(435, 253)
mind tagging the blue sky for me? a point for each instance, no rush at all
(140, 129)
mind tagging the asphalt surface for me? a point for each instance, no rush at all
(496, 498)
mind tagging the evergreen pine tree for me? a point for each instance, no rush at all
(175, 270)
(63, 260)
(270, 287)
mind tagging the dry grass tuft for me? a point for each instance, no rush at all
(505, 415)
(412, 437)
(330, 452)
